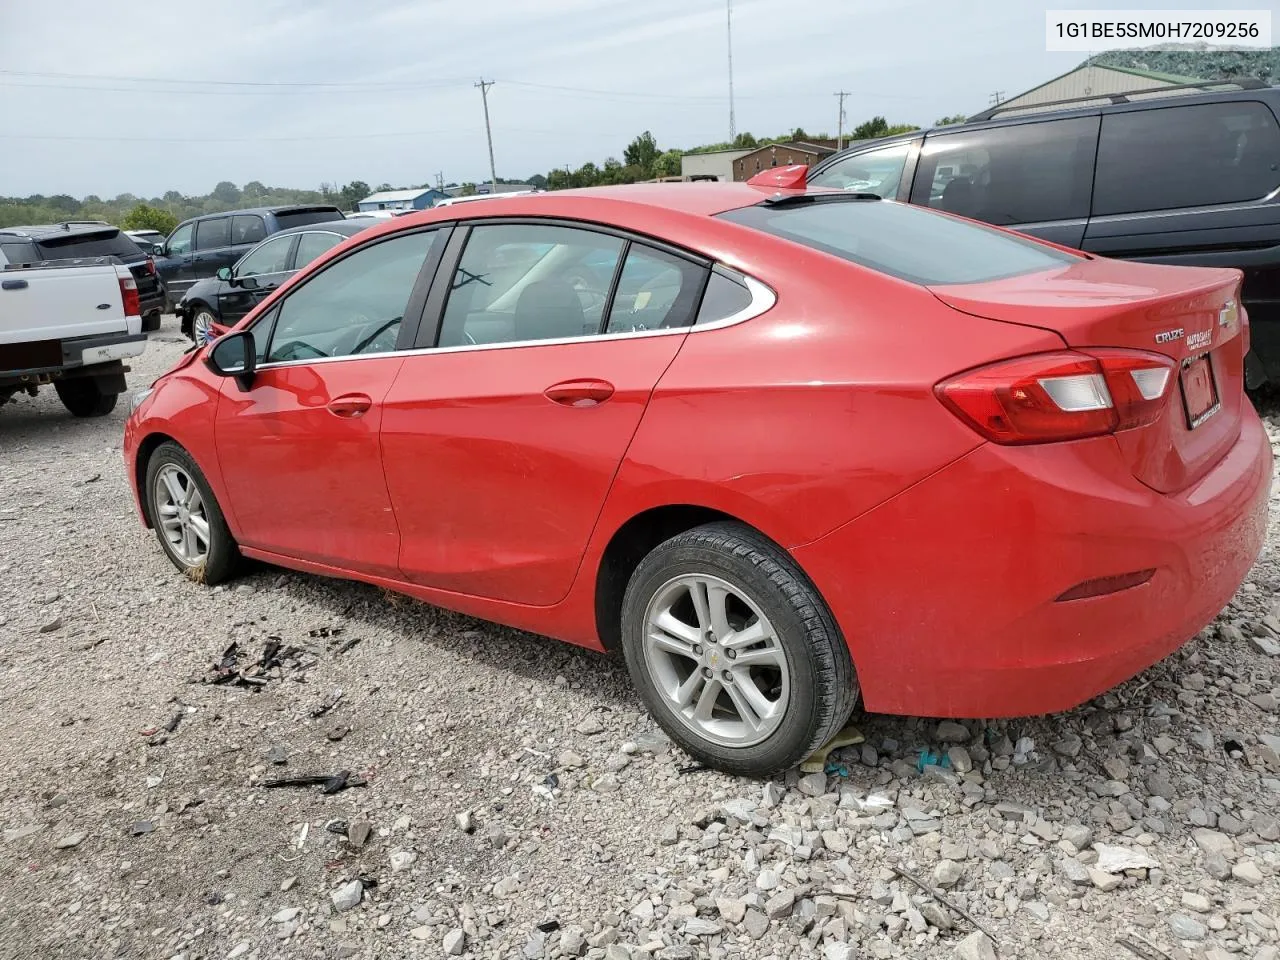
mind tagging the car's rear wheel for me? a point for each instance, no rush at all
(201, 323)
(186, 517)
(151, 322)
(84, 397)
(734, 652)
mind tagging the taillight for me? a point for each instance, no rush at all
(151, 266)
(129, 294)
(1063, 395)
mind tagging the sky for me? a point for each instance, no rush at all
(177, 96)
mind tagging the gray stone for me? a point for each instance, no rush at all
(239, 950)
(1211, 841)
(569, 760)
(359, 832)
(1186, 928)
(573, 942)
(1068, 746)
(590, 726)
(1196, 902)
(756, 924)
(936, 915)
(1217, 866)
(535, 948)
(731, 910)
(780, 904)
(772, 794)
(951, 732)
(277, 755)
(1075, 871)
(1247, 872)
(960, 759)
(1265, 646)
(402, 860)
(69, 841)
(1202, 739)
(813, 784)
(1078, 836)
(607, 783)
(701, 927)
(766, 879)
(1118, 859)
(947, 874)
(1037, 909)
(616, 951)
(348, 896)
(1106, 882)
(976, 946)
(285, 915)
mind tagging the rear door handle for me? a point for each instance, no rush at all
(350, 406)
(14, 284)
(579, 393)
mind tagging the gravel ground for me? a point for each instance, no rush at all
(514, 782)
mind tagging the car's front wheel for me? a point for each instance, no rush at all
(186, 517)
(734, 652)
(201, 323)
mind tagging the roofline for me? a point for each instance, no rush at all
(1148, 74)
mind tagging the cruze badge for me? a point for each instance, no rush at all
(1201, 339)
(1170, 335)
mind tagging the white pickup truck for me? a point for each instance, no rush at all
(69, 324)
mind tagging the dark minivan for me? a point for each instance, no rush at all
(1166, 175)
(198, 248)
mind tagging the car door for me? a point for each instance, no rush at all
(1034, 176)
(213, 238)
(1197, 184)
(255, 276)
(501, 442)
(176, 266)
(299, 449)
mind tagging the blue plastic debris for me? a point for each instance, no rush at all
(930, 759)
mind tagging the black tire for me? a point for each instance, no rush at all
(223, 557)
(201, 315)
(84, 397)
(824, 686)
(151, 322)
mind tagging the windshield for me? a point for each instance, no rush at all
(876, 171)
(300, 218)
(103, 243)
(903, 241)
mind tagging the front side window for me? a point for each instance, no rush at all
(903, 241)
(248, 228)
(311, 245)
(212, 234)
(1025, 173)
(518, 282)
(180, 242)
(1187, 156)
(353, 306)
(876, 171)
(656, 290)
(270, 257)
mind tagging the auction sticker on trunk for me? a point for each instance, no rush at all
(1199, 392)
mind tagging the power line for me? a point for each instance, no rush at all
(452, 81)
(840, 94)
(488, 133)
(997, 98)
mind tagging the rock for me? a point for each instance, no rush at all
(1078, 836)
(277, 755)
(766, 879)
(509, 887)
(756, 923)
(590, 726)
(1196, 902)
(69, 841)
(1068, 746)
(700, 927)
(607, 783)
(835, 841)
(1265, 701)
(1074, 870)
(239, 950)
(1014, 811)
(1106, 882)
(141, 827)
(616, 951)
(358, 833)
(535, 947)
(976, 946)
(669, 836)
(936, 916)
(772, 795)
(402, 860)
(834, 950)
(643, 910)
(465, 821)
(569, 760)
(348, 896)
(1037, 909)
(346, 949)
(287, 884)
(813, 784)
(573, 942)
(423, 932)
(1118, 859)
(50, 626)
(949, 731)
(1202, 739)
(1265, 646)
(1247, 872)
(947, 874)
(285, 915)
(1217, 866)
(960, 759)
(1211, 841)
(731, 910)
(1186, 928)
(780, 904)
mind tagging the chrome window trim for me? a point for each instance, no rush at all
(763, 299)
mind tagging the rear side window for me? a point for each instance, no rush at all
(724, 298)
(211, 234)
(903, 241)
(311, 245)
(19, 251)
(655, 291)
(1187, 156)
(248, 229)
(300, 218)
(111, 244)
(1026, 173)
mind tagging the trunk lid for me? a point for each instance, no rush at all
(1189, 314)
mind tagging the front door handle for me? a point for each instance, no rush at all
(14, 284)
(350, 406)
(579, 393)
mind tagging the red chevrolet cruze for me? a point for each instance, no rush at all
(781, 447)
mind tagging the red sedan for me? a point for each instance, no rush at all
(780, 447)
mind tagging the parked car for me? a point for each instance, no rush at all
(68, 324)
(1170, 175)
(88, 240)
(449, 201)
(147, 240)
(198, 248)
(827, 446)
(210, 306)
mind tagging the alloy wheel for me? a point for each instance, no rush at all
(180, 511)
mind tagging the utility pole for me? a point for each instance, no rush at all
(440, 180)
(840, 94)
(733, 126)
(997, 98)
(484, 95)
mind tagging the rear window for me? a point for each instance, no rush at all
(300, 218)
(100, 244)
(902, 241)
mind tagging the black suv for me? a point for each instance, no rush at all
(1166, 175)
(198, 248)
(79, 239)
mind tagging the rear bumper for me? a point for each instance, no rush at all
(71, 354)
(947, 594)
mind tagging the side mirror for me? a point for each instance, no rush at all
(224, 273)
(234, 355)
(157, 250)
